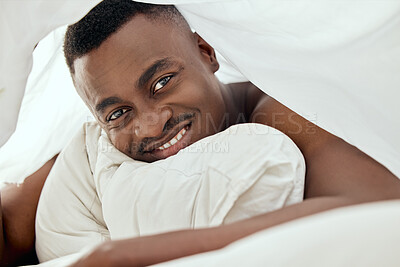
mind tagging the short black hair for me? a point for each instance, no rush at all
(107, 18)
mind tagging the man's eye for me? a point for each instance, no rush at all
(161, 83)
(118, 113)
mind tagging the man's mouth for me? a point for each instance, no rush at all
(172, 145)
(174, 140)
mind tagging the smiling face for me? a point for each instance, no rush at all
(151, 86)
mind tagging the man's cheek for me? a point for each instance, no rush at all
(121, 142)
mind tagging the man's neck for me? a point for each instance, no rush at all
(240, 100)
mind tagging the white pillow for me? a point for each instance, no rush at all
(95, 192)
(246, 170)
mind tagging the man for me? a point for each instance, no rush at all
(149, 81)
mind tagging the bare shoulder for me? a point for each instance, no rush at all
(246, 96)
(334, 167)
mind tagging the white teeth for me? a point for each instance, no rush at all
(166, 145)
(174, 140)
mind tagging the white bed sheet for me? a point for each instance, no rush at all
(51, 113)
(23, 24)
(336, 63)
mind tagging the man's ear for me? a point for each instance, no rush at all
(207, 52)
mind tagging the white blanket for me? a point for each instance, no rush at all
(334, 62)
(95, 192)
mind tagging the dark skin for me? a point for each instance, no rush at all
(185, 94)
(139, 111)
(18, 212)
(338, 174)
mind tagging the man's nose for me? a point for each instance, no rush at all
(151, 122)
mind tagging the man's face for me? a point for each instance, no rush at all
(152, 88)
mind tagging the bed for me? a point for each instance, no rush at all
(334, 63)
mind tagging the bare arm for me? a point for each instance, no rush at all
(154, 249)
(18, 211)
(333, 167)
(338, 175)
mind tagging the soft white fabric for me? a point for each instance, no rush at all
(69, 215)
(336, 62)
(63, 261)
(366, 235)
(23, 24)
(244, 171)
(51, 113)
(95, 192)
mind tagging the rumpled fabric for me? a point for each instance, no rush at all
(244, 171)
(336, 63)
(96, 193)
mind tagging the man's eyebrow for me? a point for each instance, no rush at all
(100, 107)
(157, 66)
